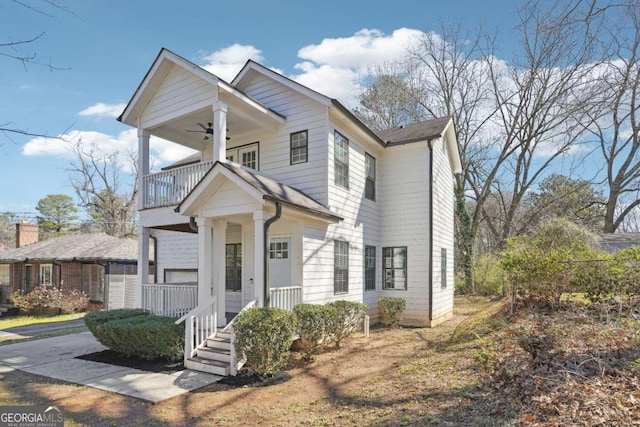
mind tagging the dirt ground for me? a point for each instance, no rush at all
(407, 376)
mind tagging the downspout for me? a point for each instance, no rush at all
(155, 257)
(267, 224)
(430, 144)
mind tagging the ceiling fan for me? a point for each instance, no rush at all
(207, 130)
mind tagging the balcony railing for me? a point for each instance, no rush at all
(169, 187)
(172, 300)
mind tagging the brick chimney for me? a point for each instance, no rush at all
(26, 234)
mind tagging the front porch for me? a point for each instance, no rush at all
(177, 299)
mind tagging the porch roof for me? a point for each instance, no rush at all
(267, 188)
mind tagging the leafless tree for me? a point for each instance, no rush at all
(97, 180)
(616, 122)
(19, 50)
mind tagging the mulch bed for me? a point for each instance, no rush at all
(113, 358)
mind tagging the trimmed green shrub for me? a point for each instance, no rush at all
(263, 337)
(392, 309)
(316, 325)
(349, 315)
(97, 318)
(147, 336)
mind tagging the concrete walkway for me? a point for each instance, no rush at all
(55, 358)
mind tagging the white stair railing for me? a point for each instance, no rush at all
(169, 299)
(202, 323)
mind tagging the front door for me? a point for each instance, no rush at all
(233, 277)
(280, 262)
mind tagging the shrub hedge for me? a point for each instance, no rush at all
(316, 325)
(263, 338)
(43, 298)
(97, 318)
(349, 314)
(392, 309)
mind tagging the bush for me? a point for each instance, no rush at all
(147, 336)
(392, 309)
(97, 318)
(263, 337)
(316, 325)
(349, 315)
(490, 278)
(42, 298)
(542, 264)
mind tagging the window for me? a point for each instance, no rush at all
(370, 184)
(443, 268)
(369, 268)
(394, 267)
(341, 160)
(279, 250)
(299, 147)
(93, 281)
(233, 265)
(46, 274)
(246, 155)
(5, 274)
(340, 267)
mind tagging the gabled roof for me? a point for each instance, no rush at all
(414, 132)
(75, 247)
(263, 187)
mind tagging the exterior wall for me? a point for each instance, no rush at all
(443, 235)
(175, 250)
(178, 90)
(404, 195)
(302, 114)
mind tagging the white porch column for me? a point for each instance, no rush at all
(143, 264)
(143, 165)
(259, 218)
(205, 260)
(219, 132)
(219, 267)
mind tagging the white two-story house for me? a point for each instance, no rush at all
(288, 198)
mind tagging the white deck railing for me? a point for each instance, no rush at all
(285, 298)
(170, 299)
(169, 187)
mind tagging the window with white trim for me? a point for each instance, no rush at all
(246, 155)
(369, 268)
(370, 183)
(394, 268)
(46, 274)
(443, 268)
(340, 267)
(299, 144)
(5, 274)
(341, 160)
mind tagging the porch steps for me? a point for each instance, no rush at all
(214, 357)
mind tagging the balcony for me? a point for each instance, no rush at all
(168, 188)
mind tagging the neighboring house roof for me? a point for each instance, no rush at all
(189, 160)
(3, 247)
(612, 242)
(421, 131)
(75, 247)
(263, 187)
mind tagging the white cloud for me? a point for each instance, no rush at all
(335, 66)
(227, 62)
(103, 110)
(162, 152)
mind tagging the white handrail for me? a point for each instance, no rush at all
(202, 324)
(168, 188)
(197, 309)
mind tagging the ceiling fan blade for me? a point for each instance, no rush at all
(203, 126)
(197, 131)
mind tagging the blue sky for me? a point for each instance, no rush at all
(106, 47)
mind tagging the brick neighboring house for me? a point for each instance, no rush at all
(97, 264)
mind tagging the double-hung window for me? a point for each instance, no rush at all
(394, 268)
(370, 183)
(369, 268)
(443, 268)
(299, 144)
(340, 267)
(341, 160)
(46, 274)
